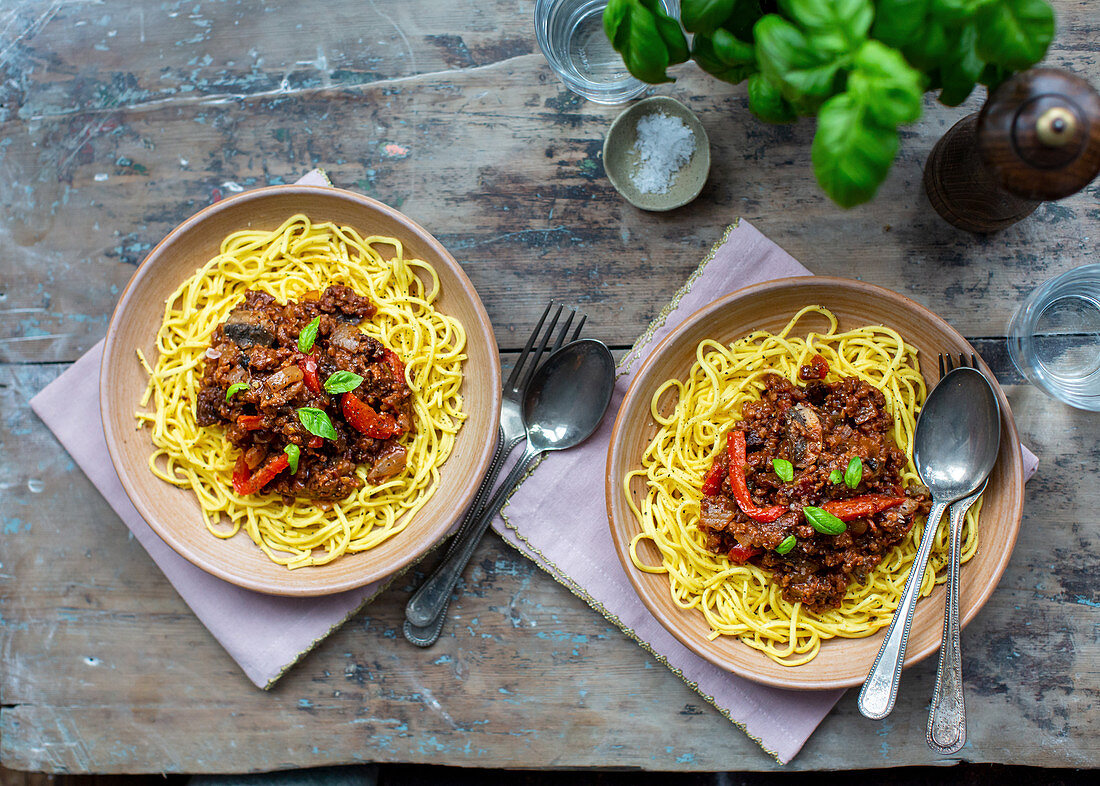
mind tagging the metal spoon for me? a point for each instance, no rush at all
(563, 404)
(947, 716)
(955, 447)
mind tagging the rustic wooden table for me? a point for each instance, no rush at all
(119, 119)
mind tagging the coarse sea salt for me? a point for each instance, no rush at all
(664, 145)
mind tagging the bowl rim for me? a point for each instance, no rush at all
(107, 405)
(613, 484)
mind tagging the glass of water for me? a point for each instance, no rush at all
(1054, 337)
(571, 36)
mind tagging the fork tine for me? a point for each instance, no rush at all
(542, 347)
(527, 349)
(943, 371)
(577, 332)
(950, 363)
(564, 330)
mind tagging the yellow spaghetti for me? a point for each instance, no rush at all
(693, 416)
(297, 257)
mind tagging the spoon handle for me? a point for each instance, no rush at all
(947, 718)
(880, 690)
(429, 603)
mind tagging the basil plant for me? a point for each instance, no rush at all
(860, 66)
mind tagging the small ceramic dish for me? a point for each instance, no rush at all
(620, 159)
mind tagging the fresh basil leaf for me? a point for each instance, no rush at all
(767, 102)
(308, 335)
(342, 382)
(784, 469)
(670, 31)
(854, 474)
(836, 476)
(789, 59)
(959, 75)
(293, 452)
(1015, 33)
(724, 57)
(234, 389)
(885, 84)
(897, 22)
(317, 422)
(993, 75)
(823, 521)
(632, 30)
(704, 16)
(833, 25)
(786, 545)
(851, 153)
(930, 47)
(955, 11)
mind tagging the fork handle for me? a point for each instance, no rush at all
(880, 690)
(947, 718)
(430, 601)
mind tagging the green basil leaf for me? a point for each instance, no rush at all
(789, 59)
(632, 30)
(823, 521)
(897, 22)
(959, 75)
(886, 85)
(786, 545)
(292, 453)
(234, 389)
(342, 382)
(784, 469)
(317, 422)
(308, 335)
(724, 56)
(833, 25)
(993, 75)
(932, 46)
(704, 16)
(851, 153)
(836, 476)
(955, 11)
(1015, 33)
(854, 474)
(766, 101)
(671, 34)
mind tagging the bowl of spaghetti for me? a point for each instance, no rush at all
(300, 390)
(760, 486)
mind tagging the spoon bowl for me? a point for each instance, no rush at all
(955, 447)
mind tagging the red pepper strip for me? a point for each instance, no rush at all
(395, 364)
(742, 554)
(250, 422)
(363, 418)
(861, 507)
(250, 485)
(818, 368)
(735, 448)
(241, 474)
(308, 365)
(712, 483)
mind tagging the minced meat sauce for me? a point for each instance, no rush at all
(831, 435)
(257, 381)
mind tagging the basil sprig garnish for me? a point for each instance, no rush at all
(292, 453)
(784, 469)
(836, 476)
(317, 422)
(308, 335)
(854, 474)
(823, 521)
(786, 545)
(235, 388)
(343, 382)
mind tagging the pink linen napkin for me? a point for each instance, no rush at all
(264, 634)
(558, 518)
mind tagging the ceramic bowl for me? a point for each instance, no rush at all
(769, 306)
(620, 160)
(174, 513)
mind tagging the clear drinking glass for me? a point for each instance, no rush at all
(571, 36)
(1054, 337)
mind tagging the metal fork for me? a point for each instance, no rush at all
(427, 608)
(947, 715)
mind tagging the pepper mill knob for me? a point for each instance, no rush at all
(1036, 138)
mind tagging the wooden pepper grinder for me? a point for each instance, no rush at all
(1036, 138)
